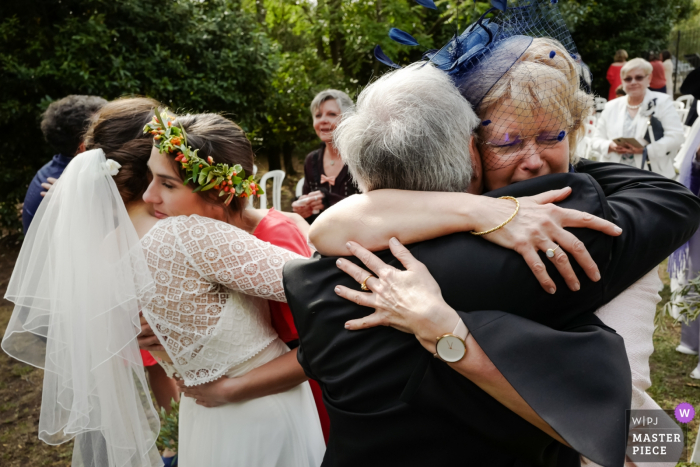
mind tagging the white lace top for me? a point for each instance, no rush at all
(212, 282)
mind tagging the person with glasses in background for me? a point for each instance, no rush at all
(632, 117)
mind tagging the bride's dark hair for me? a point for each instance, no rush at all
(118, 131)
(223, 140)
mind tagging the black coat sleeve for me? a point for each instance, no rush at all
(656, 214)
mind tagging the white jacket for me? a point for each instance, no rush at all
(662, 152)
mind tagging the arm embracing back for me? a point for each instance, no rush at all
(371, 219)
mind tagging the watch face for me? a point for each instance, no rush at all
(451, 348)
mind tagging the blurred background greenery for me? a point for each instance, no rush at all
(258, 61)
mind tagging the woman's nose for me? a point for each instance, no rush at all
(532, 159)
(151, 195)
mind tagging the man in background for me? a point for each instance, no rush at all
(64, 124)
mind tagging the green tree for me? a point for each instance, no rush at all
(194, 56)
(329, 44)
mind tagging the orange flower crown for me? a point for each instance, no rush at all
(206, 175)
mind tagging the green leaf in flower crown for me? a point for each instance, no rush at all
(209, 186)
(160, 119)
(199, 188)
(236, 180)
(222, 193)
(210, 175)
(195, 172)
(238, 168)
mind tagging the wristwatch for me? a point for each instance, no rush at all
(452, 347)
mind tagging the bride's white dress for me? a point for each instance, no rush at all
(210, 310)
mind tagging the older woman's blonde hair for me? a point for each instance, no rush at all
(545, 79)
(634, 64)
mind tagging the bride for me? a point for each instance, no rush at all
(209, 309)
(94, 377)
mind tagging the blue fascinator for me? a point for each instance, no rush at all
(527, 43)
(487, 49)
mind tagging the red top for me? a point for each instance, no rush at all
(614, 79)
(658, 76)
(277, 229)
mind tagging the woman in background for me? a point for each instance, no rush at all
(658, 75)
(613, 75)
(326, 177)
(629, 117)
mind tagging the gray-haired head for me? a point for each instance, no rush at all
(410, 131)
(343, 100)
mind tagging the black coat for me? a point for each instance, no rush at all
(391, 403)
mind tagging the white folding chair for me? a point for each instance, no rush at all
(686, 100)
(600, 104)
(679, 105)
(300, 187)
(683, 114)
(277, 177)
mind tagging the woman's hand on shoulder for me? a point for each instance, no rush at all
(47, 185)
(539, 226)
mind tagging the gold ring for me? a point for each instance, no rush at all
(550, 252)
(363, 285)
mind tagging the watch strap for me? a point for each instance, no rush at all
(461, 330)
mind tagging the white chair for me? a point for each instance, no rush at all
(300, 187)
(686, 100)
(683, 114)
(600, 104)
(679, 105)
(277, 177)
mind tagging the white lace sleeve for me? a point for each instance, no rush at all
(212, 281)
(229, 256)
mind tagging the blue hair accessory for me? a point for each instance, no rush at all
(486, 123)
(477, 59)
(381, 57)
(427, 3)
(561, 134)
(402, 37)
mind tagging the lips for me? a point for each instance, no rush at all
(160, 215)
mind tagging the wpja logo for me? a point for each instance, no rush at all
(658, 435)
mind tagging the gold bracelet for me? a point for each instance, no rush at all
(512, 216)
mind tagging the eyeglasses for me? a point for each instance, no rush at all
(629, 79)
(509, 143)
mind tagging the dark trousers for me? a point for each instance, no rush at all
(663, 89)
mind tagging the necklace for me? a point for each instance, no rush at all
(634, 107)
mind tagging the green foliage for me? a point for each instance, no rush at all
(686, 300)
(259, 61)
(168, 436)
(197, 56)
(599, 28)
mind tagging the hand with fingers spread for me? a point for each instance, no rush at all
(409, 300)
(371, 219)
(540, 226)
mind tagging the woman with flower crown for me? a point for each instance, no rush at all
(102, 273)
(209, 308)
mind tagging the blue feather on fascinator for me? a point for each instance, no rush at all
(487, 49)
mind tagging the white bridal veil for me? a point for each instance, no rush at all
(78, 285)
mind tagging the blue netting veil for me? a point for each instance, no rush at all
(519, 70)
